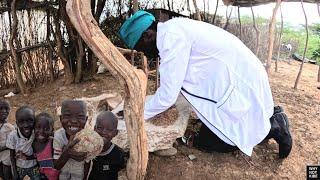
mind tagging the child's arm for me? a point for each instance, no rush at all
(21, 155)
(2, 148)
(68, 153)
(13, 164)
(86, 170)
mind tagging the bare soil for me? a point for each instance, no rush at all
(302, 107)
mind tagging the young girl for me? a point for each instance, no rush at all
(42, 146)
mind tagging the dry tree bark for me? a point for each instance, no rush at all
(239, 18)
(257, 31)
(198, 16)
(80, 55)
(305, 48)
(68, 74)
(16, 57)
(271, 35)
(228, 18)
(318, 7)
(279, 42)
(135, 6)
(50, 49)
(215, 12)
(135, 83)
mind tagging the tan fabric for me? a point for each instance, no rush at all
(5, 157)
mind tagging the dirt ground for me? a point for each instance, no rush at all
(302, 107)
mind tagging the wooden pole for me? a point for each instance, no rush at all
(271, 35)
(215, 12)
(279, 42)
(16, 57)
(50, 52)
(228, 18)
(135, 5)
(198, 16)
(257, 31)
(239, 18)
(305, 48)
(135, 83)
(318, 7)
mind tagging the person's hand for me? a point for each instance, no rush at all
(21, 155)
(78, 156)
(71, 153)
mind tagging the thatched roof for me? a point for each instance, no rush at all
(248, 3)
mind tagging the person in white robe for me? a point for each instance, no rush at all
(221, 78)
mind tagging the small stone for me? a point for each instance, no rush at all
(62, 88)
(84, 90)
(192, 157)
(166, 152)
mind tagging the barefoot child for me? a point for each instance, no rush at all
(42, 146)
(20, 144)
(70, 163)
(111, 159)
(5, 129)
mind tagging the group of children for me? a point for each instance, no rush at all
(33, 149)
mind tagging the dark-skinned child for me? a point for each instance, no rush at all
(20, 144)
(43, 146)
(5, 129)
(111, 160)
(69, 162)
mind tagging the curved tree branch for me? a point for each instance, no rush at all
(135, 80)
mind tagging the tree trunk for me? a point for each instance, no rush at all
(319, 74)
(68, 74)
(257, 32)
(100, 6)
(215, 12)
(279, 42)
(305, 48)
(228, 18)
(50, 53)
(198, 16)
(271, 35)
(135, 6)
(80, 55)
(168, 3)
(204, 10)
(135, 80)
(16, 57)
(239, 18)
(318, 7)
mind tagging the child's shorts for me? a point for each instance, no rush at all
(32, 172)
(5, 157)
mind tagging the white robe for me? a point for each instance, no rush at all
(212, 63)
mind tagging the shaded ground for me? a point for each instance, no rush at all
(302, 107)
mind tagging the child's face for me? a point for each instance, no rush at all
(43, 129)
(4, 111)
(25, 122)
(106, 129)
(73, 118)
